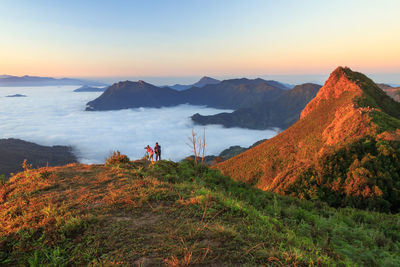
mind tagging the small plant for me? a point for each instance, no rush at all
(116, 159)
(3, 179)
(26, 166)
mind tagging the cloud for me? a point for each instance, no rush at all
(56, 116)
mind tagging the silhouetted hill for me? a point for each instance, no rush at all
(281, 113)
(86, 88)
(16, 95)
(231, 94)
(14, 151)
(129, 94)
(9, 80)
(344, 150)
(201, 83)
(393, 92)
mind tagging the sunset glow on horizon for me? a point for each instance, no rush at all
(190, 38)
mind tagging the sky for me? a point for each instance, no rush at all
(158, 38)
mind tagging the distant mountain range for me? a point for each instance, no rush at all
(228, 94)
(344, 149)
(9, 81)
(258, 103)
(14, 151)
(87, 88)
(201, 83)
(393, 92)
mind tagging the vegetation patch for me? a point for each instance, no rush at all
(178, 214)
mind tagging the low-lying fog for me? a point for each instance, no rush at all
(55, 116)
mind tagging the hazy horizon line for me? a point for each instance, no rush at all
(161, 80)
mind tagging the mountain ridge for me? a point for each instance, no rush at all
(347, 111)
(26, 80)
(228, 94)
(205, 80)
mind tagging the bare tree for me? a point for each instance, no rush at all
(203, 146)
(198, 145)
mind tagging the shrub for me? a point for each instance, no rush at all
(116, 159)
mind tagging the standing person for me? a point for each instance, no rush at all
(149, 152)
(157, 150)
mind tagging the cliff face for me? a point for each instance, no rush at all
(327, 153)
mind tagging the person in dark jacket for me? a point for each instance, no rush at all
(157, 151)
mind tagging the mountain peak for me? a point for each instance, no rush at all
(205, 80)
(333, 152)
(338, 83)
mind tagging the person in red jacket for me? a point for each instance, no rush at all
(150, 153)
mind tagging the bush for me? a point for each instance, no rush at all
(117, 159)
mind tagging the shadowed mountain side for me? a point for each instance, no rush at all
(393, 92)
(281, 113)
(14, 151)
(229, 94)
(344, 150)
(233, 94)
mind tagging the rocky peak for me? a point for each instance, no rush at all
(337, 84)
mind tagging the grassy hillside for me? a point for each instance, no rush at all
(132, 213)
(344, 150)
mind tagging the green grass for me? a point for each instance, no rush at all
(389, 117)
(178, 214)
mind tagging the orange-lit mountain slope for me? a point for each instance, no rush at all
(344, 149)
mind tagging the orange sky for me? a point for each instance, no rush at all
(208, 38)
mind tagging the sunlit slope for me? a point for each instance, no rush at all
(168, 214)
(344, 149)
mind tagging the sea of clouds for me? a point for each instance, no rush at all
(55, 116)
